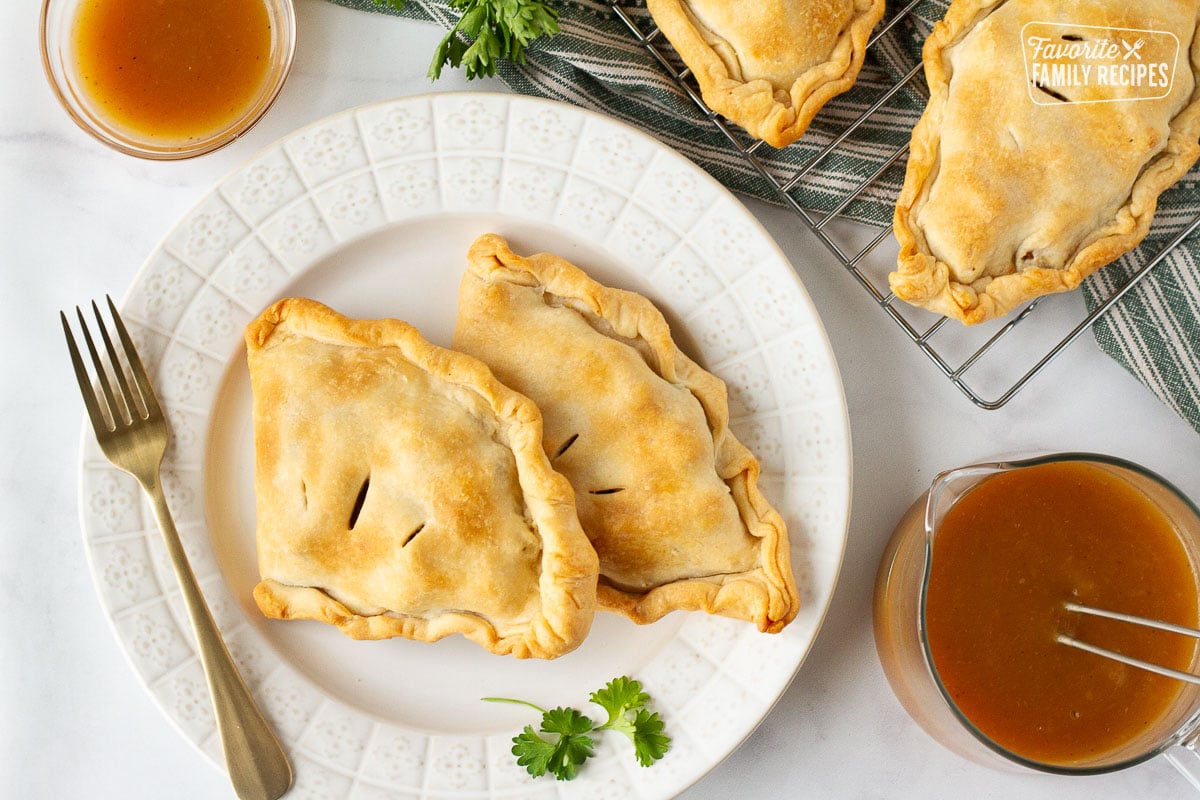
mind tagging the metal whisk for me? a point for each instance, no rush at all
(1071, 641)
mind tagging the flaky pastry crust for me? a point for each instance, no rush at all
(1005, 199)
(770, 65)
(666, 493)
(402, 490)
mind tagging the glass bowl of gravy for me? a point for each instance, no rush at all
(970, 599)
(166, 80)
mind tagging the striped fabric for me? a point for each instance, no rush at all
(597, 63)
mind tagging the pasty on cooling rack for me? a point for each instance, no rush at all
(667, 495)
(1016, 188)
(403, 491)
(769, 65)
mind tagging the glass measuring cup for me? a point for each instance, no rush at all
(904, 650)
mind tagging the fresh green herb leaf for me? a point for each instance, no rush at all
(618, 697)
(625, 703)
(649, 742)
(533, 752)
(565, 722)
(561, 754)
(574, 745)
(566, 744)
(488, 31)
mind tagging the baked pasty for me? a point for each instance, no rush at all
(769, 65)
(667, 495)
(1006, 199)
(403, 491)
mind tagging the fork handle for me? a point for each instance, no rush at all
(258, 767)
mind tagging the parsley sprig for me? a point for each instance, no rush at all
(563, 743)
(488, 31)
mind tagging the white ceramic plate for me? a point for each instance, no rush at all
(371, 211)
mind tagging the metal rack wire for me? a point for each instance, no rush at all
(1000, 358)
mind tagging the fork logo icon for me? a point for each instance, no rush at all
(1133, 49)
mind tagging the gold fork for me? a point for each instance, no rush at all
(132, 433)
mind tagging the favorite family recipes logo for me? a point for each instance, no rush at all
(1067, 63)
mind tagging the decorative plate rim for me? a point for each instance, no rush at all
(831, 400)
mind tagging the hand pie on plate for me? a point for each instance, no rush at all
(403, 491)
(1007, 199)
(665, 492)
(769, 65)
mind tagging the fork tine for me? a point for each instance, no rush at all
(135, 364)
(126, 394)
(116, 410)
(85, 382)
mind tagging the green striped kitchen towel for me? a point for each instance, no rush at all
(597, 63)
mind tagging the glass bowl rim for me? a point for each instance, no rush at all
(283, 51)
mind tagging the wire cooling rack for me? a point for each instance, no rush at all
(988, 363)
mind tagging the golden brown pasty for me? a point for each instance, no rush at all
(403, 491)
(769, 65)
(1016, 188)
(667, 495)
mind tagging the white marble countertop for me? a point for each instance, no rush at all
(76, 221)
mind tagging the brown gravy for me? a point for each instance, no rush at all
(169, 70)
(1007, 556)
